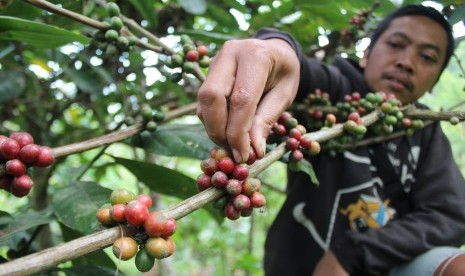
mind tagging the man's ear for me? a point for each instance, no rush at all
(363, 61)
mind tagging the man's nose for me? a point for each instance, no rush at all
(406, 61)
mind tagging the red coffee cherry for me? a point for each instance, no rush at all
(292, 144)
(219, 179)
(45, 157)
(117, 212)
(23, 138)
(29, 153)
(252, 156)
(295, 133)
(203, 182)
(250, 186)
(226, 165)
(234, 187)
(170, 228)
(209, 166)
(9, 149)
(192, 55)
(241, 202)
(257, 200)
(231, 212)
(136, 213)
(145, 199)
(156, 224)
(104, 216)
(15, 167)
(202, 50)
(21, 185)
(240, 172)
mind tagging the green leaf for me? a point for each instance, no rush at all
(161, 179)
(76, 205)
(12, 84)
(23, 222)
(194, 6)
(179, 140)
(308, 169)
(224, 17)
(37, 34)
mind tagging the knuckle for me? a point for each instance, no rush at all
(239, 98)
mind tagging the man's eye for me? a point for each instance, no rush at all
(394, 45)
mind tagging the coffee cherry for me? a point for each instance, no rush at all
(45, 157)
(226, 165)
(21, 185)
(305, 142)
(203, 182)
(315, 148)
(111, 35)
(330, 119)
(406, 122)
(188, 66)
(291, 123)
(23, 138)
(15, 167)
(157, 247)
(116, 23)
(204, 62)
(252, 156)
(220, 203)
(247, 212)
(117, 212)
(454, 120)
(144, 262)
(145, 199)
(112, 9)
(292, 144)
(353, 116)
(234, 187)
(29, 153)
(295, 133)
(240, 172)
(155, 225)
(251, 185)
(257, 200)
(125, 248)
(171, 245)
(279, 130)
(209, 166)
(202, 50)
(296, 155)
(121, 196)
(170, 228)
(220, 153)
(122, 42)
(284, 117)
(9, 149)
(104, 216)
(231, 212)
(192, 55)
(136, 213)
(219, 179)
(241, 202)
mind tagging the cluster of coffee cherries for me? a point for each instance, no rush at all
(111, 40)
(17, 152)
(288, 128)
(358, 24)
(188, 57)
(150, 116)
(153, 239)
(222, 172)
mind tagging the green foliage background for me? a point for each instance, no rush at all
(56, 84)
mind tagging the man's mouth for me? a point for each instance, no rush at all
(398, 82)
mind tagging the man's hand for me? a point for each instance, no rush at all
(249, 84)
(329, 265)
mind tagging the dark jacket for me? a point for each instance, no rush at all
(377, 206)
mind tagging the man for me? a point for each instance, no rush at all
(380, 209)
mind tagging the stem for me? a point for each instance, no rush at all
(76, 16)
(84, 245)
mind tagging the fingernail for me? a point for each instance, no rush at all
(237, 156)
(264, 146)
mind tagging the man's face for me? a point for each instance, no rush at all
(407, 58)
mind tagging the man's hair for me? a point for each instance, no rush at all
(422, 11)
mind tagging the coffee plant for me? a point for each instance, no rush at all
(104, 166)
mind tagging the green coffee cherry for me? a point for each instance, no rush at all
(113, 9)
(116, 23)
(454, 120)
(122, 42)
(151, 126)
(175, 77)
(111, 35)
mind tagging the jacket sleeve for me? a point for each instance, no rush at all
(313, 73)
(437, 218)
